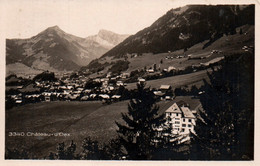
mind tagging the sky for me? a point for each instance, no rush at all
(26, 18)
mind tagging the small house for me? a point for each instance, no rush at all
(165, 88)
(116, 97)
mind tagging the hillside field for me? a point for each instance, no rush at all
(79, 119)
(226, 45)
(176, 81)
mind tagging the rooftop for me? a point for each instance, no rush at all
(165, 86)
(187, 113)
(193, 103)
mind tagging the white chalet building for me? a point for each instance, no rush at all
(181, 118)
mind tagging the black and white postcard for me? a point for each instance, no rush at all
(129, 81)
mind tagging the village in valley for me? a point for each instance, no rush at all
(142, 99)
(180, 111)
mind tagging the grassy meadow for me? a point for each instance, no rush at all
(78, 119)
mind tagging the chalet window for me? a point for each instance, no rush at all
(183, 120)
(183, 125)
(177, 122)
(177, 118)
(189, 120)
(177, 114)
(189, 125)
(182, 130)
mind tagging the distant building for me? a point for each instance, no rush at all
(104, 96)
(84, 98)
(18, 101)
(170, 68)
(116, 97)
(141, 80)
(119, 83)
(47, 96)
(165, 88)
(150, 70)
(125, 75)
(159, 94)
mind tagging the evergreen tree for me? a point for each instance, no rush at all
(64, 153)
(240, 31)
(91, 150)
(138, 134)
(226, 129)
(167, 143)
(17, 154)
(194, 90)
(113, 150)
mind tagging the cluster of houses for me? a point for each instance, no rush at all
(74, 89)
(71, 89)
(248, 48)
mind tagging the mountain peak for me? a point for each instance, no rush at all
(52, 30)
(56, 28)
(105, 32)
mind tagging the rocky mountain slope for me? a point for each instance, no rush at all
(183, 27)
(55, 50)
(204, 32)
(106, 38)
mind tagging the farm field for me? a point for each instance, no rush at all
(176, 81)
(79, 119)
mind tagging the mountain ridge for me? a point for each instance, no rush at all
(182, 27)
(55, 50)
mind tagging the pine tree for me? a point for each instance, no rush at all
(138, 133)
(91, 149)
(64, 153)
(112, 150)
(226, 129)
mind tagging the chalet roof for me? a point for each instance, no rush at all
(165, 86)
(187, 113)
(170, 107)
(193, 103)
(116, 96)
(104, 96)
(182, 103)
(158, 93)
